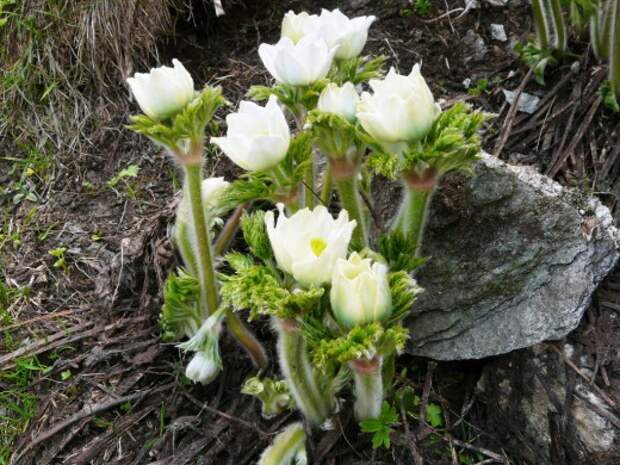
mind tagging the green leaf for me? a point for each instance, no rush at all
(434, 415)
(399, 252)
(180, 314)
(130, 172)
(381, 427)
(404, 291)
(255, 234)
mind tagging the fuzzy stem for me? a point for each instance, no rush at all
(247, 340)
(326, 188)
(413, 213)
(614, 43)
(559, 25)
(298, 372)
(308, 185)
(540, 20)
(206, 275)
(183, 242)
(227, 233)
(345, 178)
(368, 388)
(285, 446)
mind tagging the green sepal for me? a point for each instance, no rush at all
(293, 97)
(453, 143)
(255, 234)
(360, 342)
(332, 133)
(357, 69)
(404, 290)
(188, 124)
(298, 158)
(273, 394)
(180, 315)
(258, 289)
(399, 252)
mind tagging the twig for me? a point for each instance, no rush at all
(511, 115)
(422, 431)
(412, 442)
(85, 412)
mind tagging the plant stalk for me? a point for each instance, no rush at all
(247, 340)
(206, 274)
(540, 21)
(326, 188)
(285, 446)
(204, 258)
(184, 244)
(227, 233)
(559, 26)
(368, 387)
(345, 177)
(298, 372)
(413, 213)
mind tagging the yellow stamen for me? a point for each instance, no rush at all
(318, 245)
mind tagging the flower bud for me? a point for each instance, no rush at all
(339, 100)
(308, 244)
(297, 64)
(401, 108)
(257, 137)
(347, 35)
(163, 91)
(360, 292)
(202, 368)
(293, 25)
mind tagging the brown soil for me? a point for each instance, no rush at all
(98, 317)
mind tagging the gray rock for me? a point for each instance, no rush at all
(555, 415)
(514, 259)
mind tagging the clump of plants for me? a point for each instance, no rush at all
(335, 290)
(601, 17)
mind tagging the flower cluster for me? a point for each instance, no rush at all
(335, 288)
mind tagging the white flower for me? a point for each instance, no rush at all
(212, 191)
(297, 64)
(338, 30)
(257, 137)
(360, 291)
(163, 91)
(401, 108)
(202, 369)
(293, 25)
(308, 244)
(339, 100)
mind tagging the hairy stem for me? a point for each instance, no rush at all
(227, 233)
(247, 340)
(345, 178)
(559, 25)
(326, 188)
(308, 186)
(413, 213)
(285, 446)
(540, 21)
(206, 274)
(368, 388)
(298, 372)
(184, 244)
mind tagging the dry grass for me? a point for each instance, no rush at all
(65, 62)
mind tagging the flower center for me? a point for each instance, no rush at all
(317, 245)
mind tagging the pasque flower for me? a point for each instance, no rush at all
(257, 137)
(293, 25)
(308, 244)
(297, 64)
(400, 109)
(349, 35)
(202, 368)
(360, 291)
(163, 91)
(339, 100)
